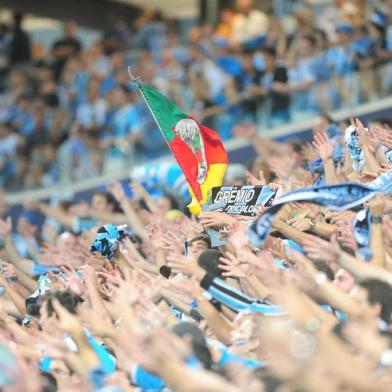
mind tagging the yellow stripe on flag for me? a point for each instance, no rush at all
(215, 175)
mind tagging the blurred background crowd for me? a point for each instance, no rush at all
(69, 112)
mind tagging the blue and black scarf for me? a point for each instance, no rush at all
(107, 239)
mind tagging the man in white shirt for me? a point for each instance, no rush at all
(249, 23)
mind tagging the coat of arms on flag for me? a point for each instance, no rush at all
(188, 130)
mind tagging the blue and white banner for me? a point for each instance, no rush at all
(338, 197)
(242, 200)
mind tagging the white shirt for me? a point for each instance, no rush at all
(253, 25)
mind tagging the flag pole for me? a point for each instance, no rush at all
(134, 79)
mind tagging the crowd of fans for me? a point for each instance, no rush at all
(71, 113)
(128, 294)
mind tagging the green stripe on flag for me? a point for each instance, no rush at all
(165, 113)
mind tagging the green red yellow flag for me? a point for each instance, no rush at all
(198, 150)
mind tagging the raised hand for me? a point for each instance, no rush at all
(377, 205)
(302, 224)
(281, 167)
(308, 152)
(305, 273)
(335, 216)
(138, 189)
(161, 345)
(73, 281)
(95, 322)
(345, 234)
(124, 288)
(383, 136)
(253, 180)
(50, 254)
(215, 219)
(184, 265)
(373, 140)
(245, 130)
(67, 321)
(89, 274)
(232, 267)
(5, 226)
(366, 176)
(129, 251)
(190, 227)
(156, 236)
(277, 248)
(117, 190)
(190, 287)
(319, 249)
(387, 221)
(323, 145)
(238, 236)
(9, 270)
(363, 136)
(172, 243)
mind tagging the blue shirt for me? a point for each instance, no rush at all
(21, 245)
(24, 121)
(228, 358)
(301, 73)
(125, 121)
(340, 60)
(150, 382)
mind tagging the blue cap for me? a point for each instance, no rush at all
(32, 217)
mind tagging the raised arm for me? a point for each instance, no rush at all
(23, 265)
(14, 296)
(325, 149)
(371, 163)
(61, 216)
(140, 191)
(290, 232)
(132, 218)
(326, 289)
(377, 240)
